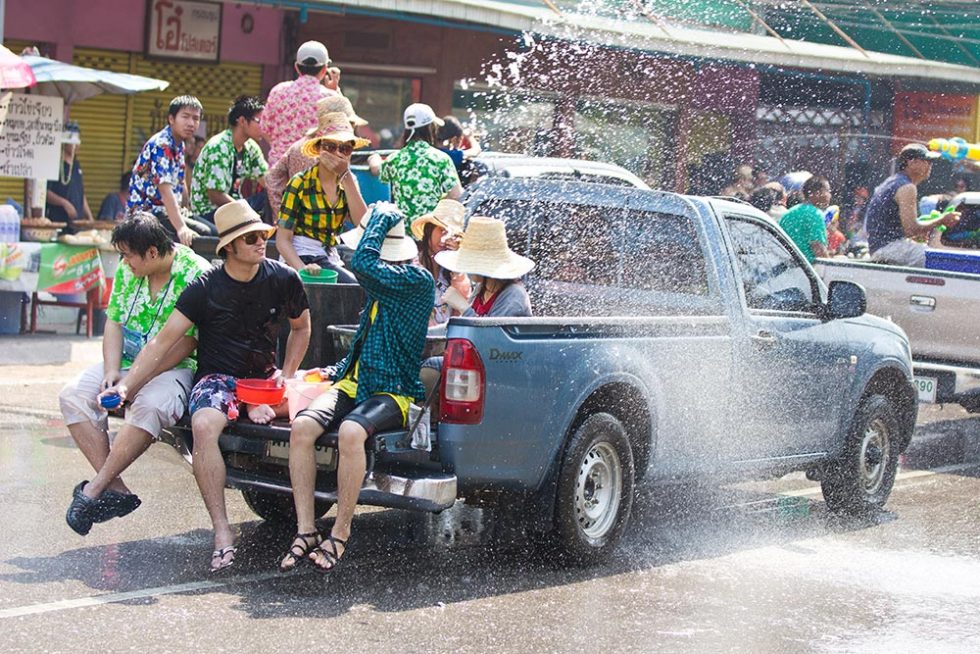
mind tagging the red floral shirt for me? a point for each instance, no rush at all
(290, 111)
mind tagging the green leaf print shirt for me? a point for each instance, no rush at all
(420, 175)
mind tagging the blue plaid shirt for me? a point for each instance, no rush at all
(391, 354)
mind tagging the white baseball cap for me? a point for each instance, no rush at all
(315, 51)
(420, 115)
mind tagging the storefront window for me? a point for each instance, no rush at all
(381, 101)
(507, 121)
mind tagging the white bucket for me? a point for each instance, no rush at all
(300, 393)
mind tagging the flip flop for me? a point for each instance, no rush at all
(220, 556)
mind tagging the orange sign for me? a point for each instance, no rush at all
(920, 117)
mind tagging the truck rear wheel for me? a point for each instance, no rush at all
(860, 481)
(595, 489)
(276, 507)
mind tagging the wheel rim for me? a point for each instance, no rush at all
(875, 446)
(598, 490)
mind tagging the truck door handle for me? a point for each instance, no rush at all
(923, 302)
(764, 337)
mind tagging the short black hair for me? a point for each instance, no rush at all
(813, 185)
(425, 133)
(182, 102)
(140, 232)
(244, 106)
(310, 69)
(764, 197)
(451, 128)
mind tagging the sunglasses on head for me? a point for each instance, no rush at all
(253, 237)
(330, 146)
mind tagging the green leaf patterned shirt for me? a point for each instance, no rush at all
(221, 168)
(420, 175)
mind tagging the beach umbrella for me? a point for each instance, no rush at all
(15, 73)
(75, 83)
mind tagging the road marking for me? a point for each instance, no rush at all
(902, 476)
(110, 598)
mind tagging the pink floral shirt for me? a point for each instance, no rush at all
(290, 111)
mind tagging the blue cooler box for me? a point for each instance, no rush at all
(953, 261)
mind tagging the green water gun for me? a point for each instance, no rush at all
(934, 215)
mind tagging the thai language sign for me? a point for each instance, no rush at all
(30, 135)
(920, 117)
(183, 29)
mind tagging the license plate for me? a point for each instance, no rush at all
(280, 450)
(926, 386)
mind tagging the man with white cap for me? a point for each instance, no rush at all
(895, 235)
(291, 107)
(66, 196)
(373, 386)
(237, 309)
(419, 174)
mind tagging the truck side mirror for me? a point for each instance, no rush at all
(845, 300)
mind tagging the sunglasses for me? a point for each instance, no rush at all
(343, 148)
(253, 237)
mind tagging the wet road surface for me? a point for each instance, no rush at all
(755, 567)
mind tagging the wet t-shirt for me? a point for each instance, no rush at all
(238, 322)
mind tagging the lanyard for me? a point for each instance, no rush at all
(166, 290)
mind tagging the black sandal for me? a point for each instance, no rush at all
(299, 550)
(333, 558)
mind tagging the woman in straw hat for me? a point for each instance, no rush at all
(317, 201)
(294, 161)
(438, 231)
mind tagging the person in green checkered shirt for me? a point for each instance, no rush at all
(317, 201)
(228, 159)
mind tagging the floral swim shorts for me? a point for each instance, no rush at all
(215, 391)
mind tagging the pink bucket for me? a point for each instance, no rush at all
(300, 393)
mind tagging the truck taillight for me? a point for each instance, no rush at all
(463, 377)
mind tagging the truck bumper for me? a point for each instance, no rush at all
(955, 384)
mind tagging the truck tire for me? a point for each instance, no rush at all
(276, 507)
(595, 490)
(860, 481)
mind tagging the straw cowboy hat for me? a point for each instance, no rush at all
(448, 214)
(334, 126)
(483, 251)
(332, 104)
(235, 219)
(397, 245)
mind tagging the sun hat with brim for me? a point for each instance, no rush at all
(334, 127)
(917, 151)
(484, 251)
(236, 219)
(448, 214)
(397, 246)
(333, 104)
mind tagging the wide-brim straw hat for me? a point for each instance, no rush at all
(484, 251)
(448, 214)
(235, 219)
(332, 104)
(334, 127)
(397, 246)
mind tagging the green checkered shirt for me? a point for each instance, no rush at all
(306, 211)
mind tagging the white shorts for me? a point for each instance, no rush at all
(159, 404)
(903, 252)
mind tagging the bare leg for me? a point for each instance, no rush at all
(94, 444)
(302, 471)
(129, 444)
(350, 476)
(209, 471)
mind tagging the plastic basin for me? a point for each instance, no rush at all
(259, 391)
(326, 276)
(300, 393)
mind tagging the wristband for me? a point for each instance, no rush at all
(340, 180)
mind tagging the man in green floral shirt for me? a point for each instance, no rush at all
(229, 158)
(153, 274)
(419, 174)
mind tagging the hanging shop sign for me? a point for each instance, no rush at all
(181, 29)
(30, 135)
(920, 117)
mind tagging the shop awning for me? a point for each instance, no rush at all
(652, 34)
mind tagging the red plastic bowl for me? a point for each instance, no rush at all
(259, 391)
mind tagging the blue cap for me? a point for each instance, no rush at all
(110, 401)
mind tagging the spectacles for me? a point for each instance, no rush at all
(344, 148)
(253, 237)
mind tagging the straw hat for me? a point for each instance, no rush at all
(235, 219)
(336, 127)
(483, 251)
(332, 104)
(448, 214)
(397, 246)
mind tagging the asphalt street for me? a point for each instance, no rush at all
(754, 567)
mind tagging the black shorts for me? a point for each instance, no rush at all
(376, 414)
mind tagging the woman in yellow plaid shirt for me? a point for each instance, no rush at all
(317, 201)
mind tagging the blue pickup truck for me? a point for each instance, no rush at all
(675, 338)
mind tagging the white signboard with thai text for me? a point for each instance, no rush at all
(30, 135)
(183, 29)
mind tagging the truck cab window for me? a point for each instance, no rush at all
(662, 252)
(773, 278)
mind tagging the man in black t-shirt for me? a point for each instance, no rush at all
(236, 309)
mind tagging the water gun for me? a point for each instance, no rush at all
(935, 214)
(955, 149)
(830, 214)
